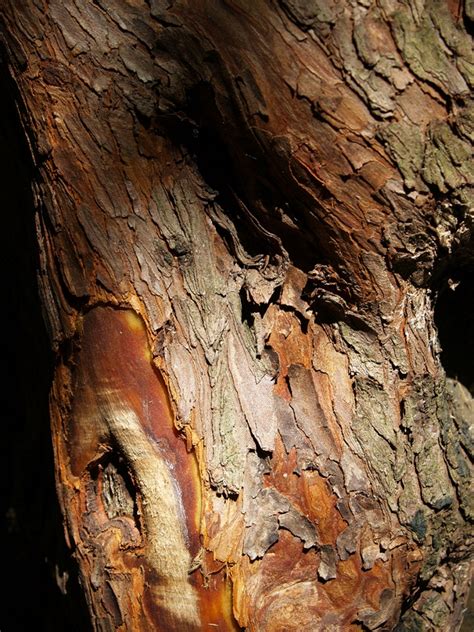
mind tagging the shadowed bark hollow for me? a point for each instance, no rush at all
(245, 214)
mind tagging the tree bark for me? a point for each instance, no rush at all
(244, 211)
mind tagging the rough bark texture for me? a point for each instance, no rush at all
(242, 210)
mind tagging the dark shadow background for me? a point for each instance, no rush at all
(454, 317)
(31, 532)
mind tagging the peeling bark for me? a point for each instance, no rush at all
(245, 212)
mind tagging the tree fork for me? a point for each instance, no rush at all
(244, 212)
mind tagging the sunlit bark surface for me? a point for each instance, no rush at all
(243, 209)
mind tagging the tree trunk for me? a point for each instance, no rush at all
(245, 211)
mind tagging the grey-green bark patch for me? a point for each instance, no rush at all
(418, 525)
(410, 506)
(369, 54)
(422, 410)
(406, 144)
(258, 400)
(374, 90)
(434, 609)
(465, 121)
(426, 54)
(413, 622)
(431, 470)
(469, 9)
(227, 422)
(365, 356)
(372, 427)
(455, 38)
(457, 432)
(448, 162)
(190, 240)
(369, 31)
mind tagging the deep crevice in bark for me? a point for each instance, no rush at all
(114, 485)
